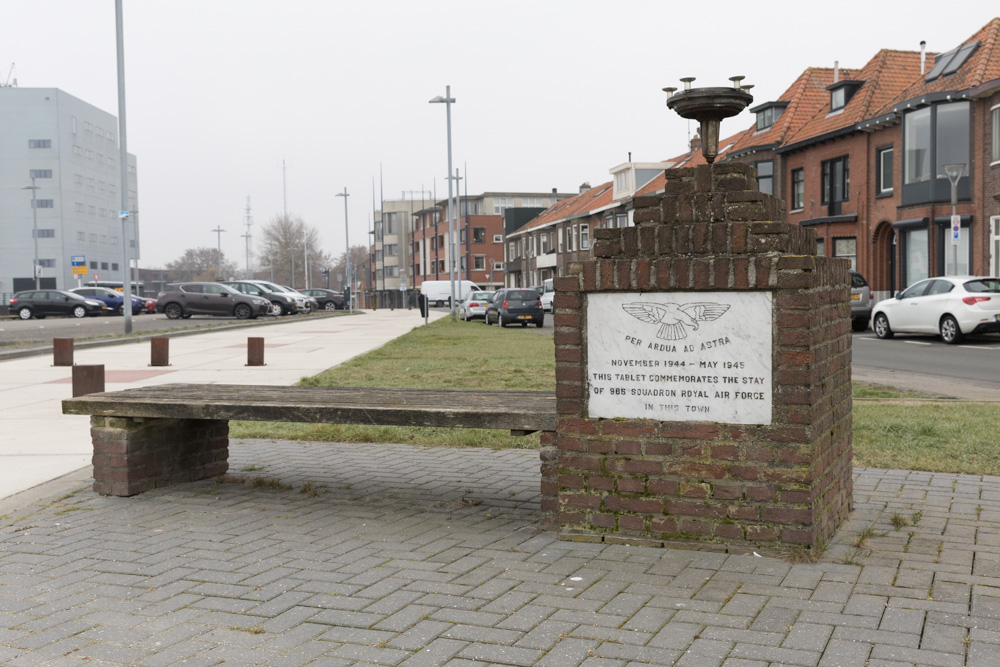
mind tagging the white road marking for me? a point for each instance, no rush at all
(915, 342)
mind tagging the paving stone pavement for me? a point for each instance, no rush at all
(407, 555)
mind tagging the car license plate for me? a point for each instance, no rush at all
(855, 297)
(524, 317)
(998, 317)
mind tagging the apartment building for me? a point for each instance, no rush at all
(69, 150)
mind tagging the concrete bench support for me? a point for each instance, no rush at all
(62, 351)
(136, 454)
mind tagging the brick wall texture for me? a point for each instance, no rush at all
(714, 485)
(133, 455)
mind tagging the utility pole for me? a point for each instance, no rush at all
(448, 100)
(35, 269)
(248, 221)
(123, 161)
(218, 254)
(457, 238)
(349, 296)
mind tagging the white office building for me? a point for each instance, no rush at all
(69, 149)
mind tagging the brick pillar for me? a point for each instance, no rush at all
(732, 458)
(133, 455)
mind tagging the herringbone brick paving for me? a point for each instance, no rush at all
(408, 555)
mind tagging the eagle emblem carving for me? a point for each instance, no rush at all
(674, 317)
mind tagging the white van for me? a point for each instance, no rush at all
(547, 294)
(438, 292)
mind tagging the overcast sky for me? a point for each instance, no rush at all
(550, 93)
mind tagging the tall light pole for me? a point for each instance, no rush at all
(218, 254)
(347, 256)
(248, 221)
(123, 161)
(954, 173)
(34, 233)
(448, 100)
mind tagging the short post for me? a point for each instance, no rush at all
(62, 351)
(88, 379)
(159, 351)
(255, 351)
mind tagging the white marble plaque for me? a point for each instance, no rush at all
(680, 356)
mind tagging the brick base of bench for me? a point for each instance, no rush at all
(136, 454)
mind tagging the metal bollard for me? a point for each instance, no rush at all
(255, 351)
(159, 351)
(62, 351)
(88, 379)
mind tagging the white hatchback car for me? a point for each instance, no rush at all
(473, 306)
(952, 306)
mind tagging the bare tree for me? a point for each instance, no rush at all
(201, 264)
(359, 259)
(287, 245)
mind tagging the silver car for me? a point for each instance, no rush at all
(473, 306)
(861, 302)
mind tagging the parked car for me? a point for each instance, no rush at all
(303, 300)
(861, 302)
(473, 306)
(326, 299)
(952, 307)
(187, 299)
(150, 304)
(284, 303)
(44, 302)
(515, 305)
(547, 294)
(115, 301)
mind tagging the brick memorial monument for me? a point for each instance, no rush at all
(703, 373)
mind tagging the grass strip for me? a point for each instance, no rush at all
(891, 429)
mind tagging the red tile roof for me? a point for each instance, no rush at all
(574, 207)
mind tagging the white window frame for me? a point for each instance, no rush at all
(584, 237)
(498, 238)
(571, 238)
(995, 125)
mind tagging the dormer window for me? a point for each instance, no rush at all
(768, 113)
(948, 63)
(842, 92)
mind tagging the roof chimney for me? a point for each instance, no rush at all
(923, 57)
(695, 143)
(836, 71)
(584, 187)
(555, 191)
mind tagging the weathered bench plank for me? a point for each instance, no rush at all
(513, 410)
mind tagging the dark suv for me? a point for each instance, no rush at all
(515, 306)
(861, 302)
(187, 299)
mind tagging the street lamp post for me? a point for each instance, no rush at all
(34, 233)
(349, 296)
(954, 173)
(448, 100)
(123, 161)
(218, 254)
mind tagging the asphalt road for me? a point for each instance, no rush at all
(19, 334)
(970, 370)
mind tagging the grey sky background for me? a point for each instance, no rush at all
(550, 93)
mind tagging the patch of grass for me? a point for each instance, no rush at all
(251, 468)
(256, 482)
(309, 489)
(956, 437)
(871, 390)
(800, 554)
(255, 630)
(899, 521)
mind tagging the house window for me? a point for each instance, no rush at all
(883, 169)
(40, 173)
(511, 250)
(81, 236)
(47, 263)
(391, 250)
(391, 221)
(766, 117)
(543, 243)
(995, 130)
(378, 256)
(104, 266)
(46, 234)
(39, 143)
(93, 265)
(821, 247)
(848, 249)
(571, 238)
(391, 271)
(838, 98)
(622, 219)
(798, 189)
(933, 137)
(498, 238)
(479, 262)
(43, 203)
(836, 183)
(914, 255)
(114, 267)
(498, 266)
(584, 237)
(500, 204)
(765, 175)
(479, 235)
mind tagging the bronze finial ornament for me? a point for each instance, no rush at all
(709, 106)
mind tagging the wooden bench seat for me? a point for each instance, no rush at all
(159, 435)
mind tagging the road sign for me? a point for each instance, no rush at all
(79, 270)
(122, 214)
(78, 260)
(956, 229)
